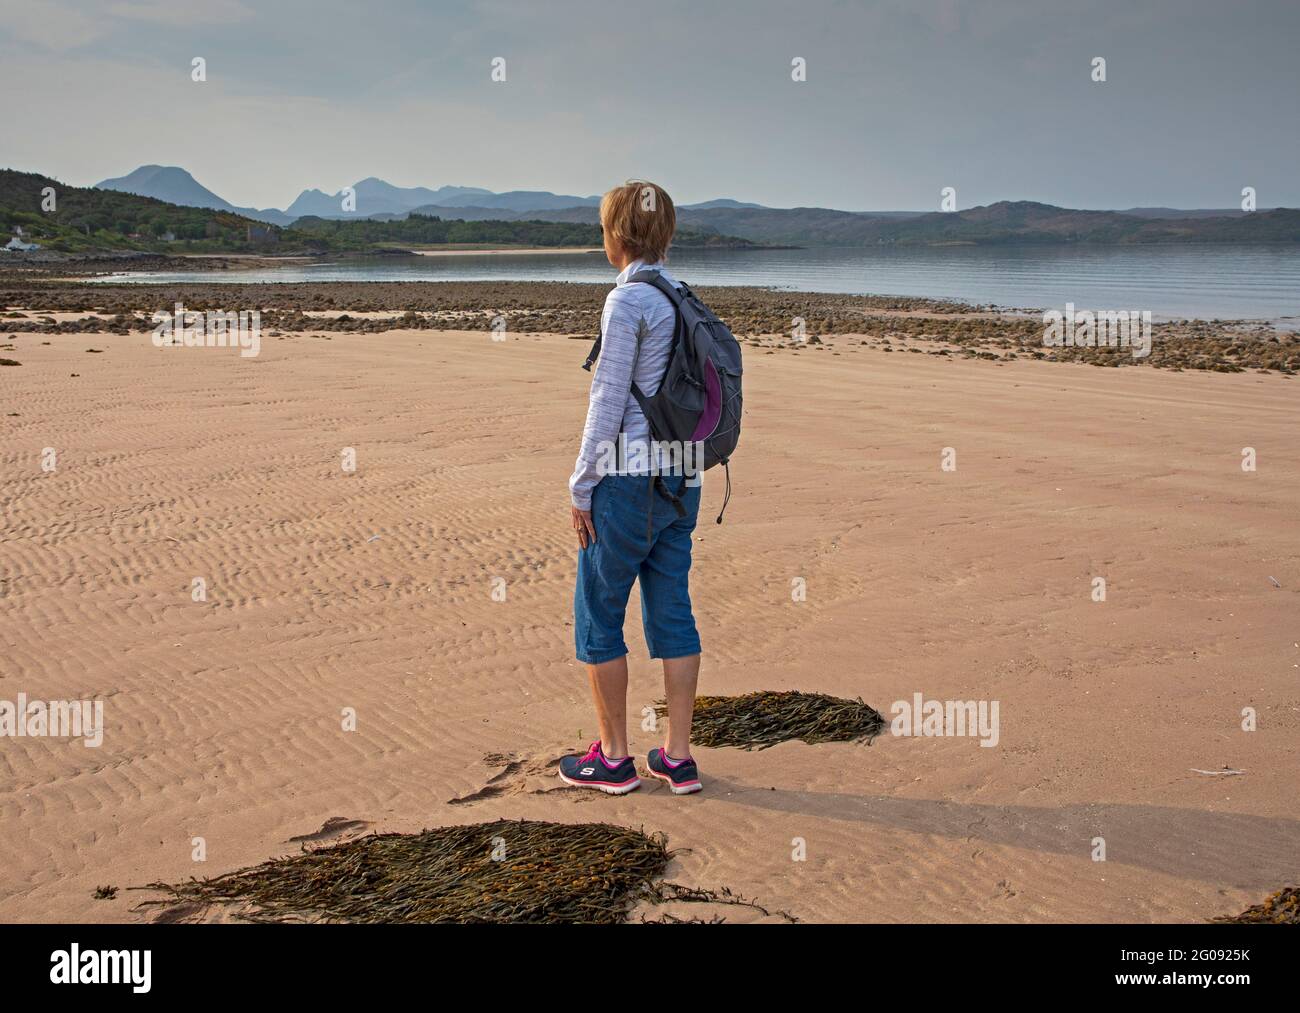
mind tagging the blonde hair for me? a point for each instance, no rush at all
(640, 217)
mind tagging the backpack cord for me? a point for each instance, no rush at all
(727, 497)
(657, 485)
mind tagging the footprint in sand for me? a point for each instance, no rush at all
(534, 775)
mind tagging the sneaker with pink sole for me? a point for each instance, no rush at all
(683, 776)
(596, 770)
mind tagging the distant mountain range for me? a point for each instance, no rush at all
(1005, 221)
(375, 197)
(91, 220)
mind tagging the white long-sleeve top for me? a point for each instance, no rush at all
(631, 310)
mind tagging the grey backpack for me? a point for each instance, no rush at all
(699, 398)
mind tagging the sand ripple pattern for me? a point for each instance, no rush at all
(429, 593)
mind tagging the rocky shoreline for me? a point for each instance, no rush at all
(764, 318)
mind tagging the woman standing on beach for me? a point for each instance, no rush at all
(632, 519)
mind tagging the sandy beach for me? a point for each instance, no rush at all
(373, 590)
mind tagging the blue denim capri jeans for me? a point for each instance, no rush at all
(623, 507)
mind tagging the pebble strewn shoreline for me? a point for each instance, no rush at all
(764, 318)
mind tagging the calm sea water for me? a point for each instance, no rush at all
(1206, 282)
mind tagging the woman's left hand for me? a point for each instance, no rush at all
(582, 524)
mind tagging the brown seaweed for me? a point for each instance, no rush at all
(505, 871)
(1281, 908)
(763, 719)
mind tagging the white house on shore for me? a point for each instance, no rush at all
(16, 245)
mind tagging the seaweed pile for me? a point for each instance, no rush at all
(1281, 908)
(505, 871)
(759, 720)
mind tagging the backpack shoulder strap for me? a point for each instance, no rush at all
(655, 278)
(675, 295)
(594, 354)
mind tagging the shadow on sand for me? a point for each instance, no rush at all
(1225, 849)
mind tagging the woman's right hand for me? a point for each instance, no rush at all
(584, 527)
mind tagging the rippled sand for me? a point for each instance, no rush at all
(372, 590)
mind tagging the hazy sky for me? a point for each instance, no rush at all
(902, 97)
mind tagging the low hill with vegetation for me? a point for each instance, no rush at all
(418, 230)
(85, 220)
(1003, 222)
